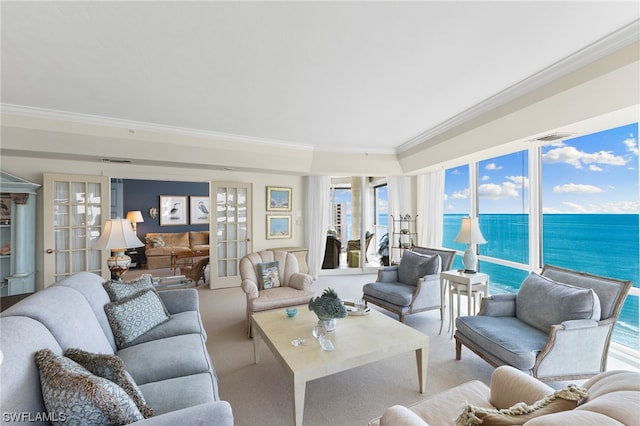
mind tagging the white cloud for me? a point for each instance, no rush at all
(485, 178)
(595, 168)
(573, 156)
(461, 195)
(576, 188)
(632, 145)
(619, 207)
(494, 192)
(521, 181)
(575, 208)
(493, 166)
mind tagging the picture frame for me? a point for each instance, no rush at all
(278, 199)
(5, 209)
(173, 210)
(198, 210)
(278, 227)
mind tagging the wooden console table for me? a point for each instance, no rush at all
(186, 255)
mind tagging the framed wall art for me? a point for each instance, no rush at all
(278, 227)
(278, 199)
(198, 210)
(173, 210)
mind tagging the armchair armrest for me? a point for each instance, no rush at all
(301, 281)
(499, 305)
(180, 300)
(510, 386)
(218, 413)
(249, 287)
(560, 357)
(427, 292)
(388, 274)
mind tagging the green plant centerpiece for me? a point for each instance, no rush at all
(328, 307)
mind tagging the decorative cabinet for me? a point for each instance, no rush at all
(404, 234)
(17, 235)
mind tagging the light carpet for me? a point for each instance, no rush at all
(261, 394)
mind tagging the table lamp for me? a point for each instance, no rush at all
(135, 217)
(470, 235)
(118, 236)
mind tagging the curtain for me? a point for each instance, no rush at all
(399, 204)
(431, 208)
(316, 220)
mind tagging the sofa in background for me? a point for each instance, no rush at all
(160, 245)
(169, 363)
(613, 398)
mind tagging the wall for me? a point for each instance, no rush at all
(142, 194)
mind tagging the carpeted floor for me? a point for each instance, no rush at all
(261, 394)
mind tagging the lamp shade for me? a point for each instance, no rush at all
(135, 216)
(470, 232)
(117, 234)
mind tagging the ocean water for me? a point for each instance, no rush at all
(601, 244)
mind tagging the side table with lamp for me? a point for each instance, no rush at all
(117, 236)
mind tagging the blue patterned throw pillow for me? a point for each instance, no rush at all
(121, 289)
(269, 275)
(112, 368)
(77, 397)
(134, 315)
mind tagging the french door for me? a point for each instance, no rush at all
(231, 228)
(75, 208)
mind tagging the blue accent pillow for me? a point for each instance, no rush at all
(121, 289)
(269, 275)
(134, 315)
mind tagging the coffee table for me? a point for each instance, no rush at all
(358, 340)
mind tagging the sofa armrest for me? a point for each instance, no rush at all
(399, 415)
(300, 281)
(180, 300)
(218, 413)
(510, 386)
(388, 274)
(499, 305)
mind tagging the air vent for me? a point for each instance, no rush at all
(553, 137)
(113, 160)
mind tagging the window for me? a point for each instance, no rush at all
(590, 211)
(456, 206)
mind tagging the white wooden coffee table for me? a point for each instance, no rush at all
(358, 340)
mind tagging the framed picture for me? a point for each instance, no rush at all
(173, 210)
(278, 199)
(199, 210)
(5, 209)
(278, 227)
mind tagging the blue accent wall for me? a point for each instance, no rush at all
(144, 194)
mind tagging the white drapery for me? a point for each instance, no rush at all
(316, 220)
(431, 208)
(399, 190)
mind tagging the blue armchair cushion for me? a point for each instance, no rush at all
(415, 265)
(542, 302)
(395, 293)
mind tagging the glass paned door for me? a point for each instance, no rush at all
(73, 217)
(233, 231)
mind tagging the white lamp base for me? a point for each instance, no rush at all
(470, 260)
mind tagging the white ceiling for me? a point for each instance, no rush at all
(338, 76)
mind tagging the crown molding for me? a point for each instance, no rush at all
(605, 46)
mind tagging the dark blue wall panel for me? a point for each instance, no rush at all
(144, 194)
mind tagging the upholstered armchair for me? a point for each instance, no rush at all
(332, 253)
(557, 327)
(290, 288)
(412, 286)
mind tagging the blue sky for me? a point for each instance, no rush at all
(596, 173)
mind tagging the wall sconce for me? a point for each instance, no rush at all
(153, 212)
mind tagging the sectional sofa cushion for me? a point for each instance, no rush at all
(415, 265)
(134, 315)
(542, 302)
(75, 396)
(112, 368)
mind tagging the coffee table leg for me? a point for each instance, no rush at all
(422, 359)
(299, 389)
(257, 338)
